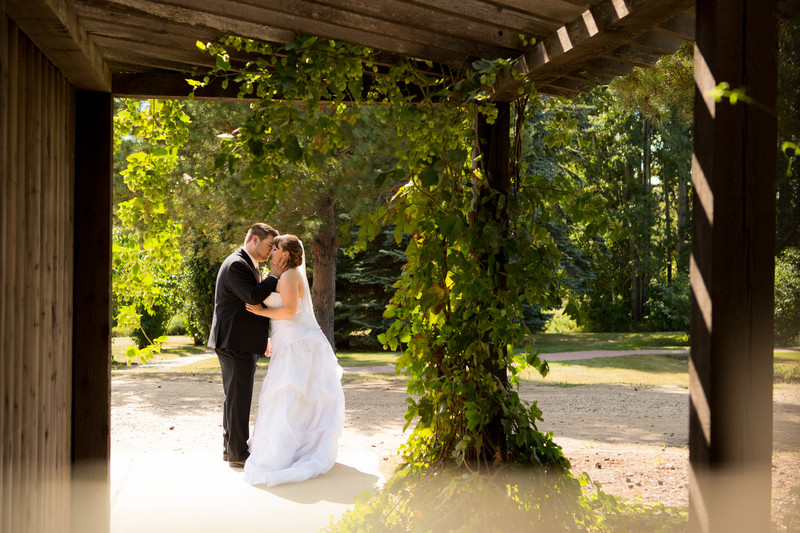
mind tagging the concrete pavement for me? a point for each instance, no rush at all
(199, 493)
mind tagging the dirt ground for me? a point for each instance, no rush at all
(631, 440)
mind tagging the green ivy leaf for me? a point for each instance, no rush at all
(292, 149)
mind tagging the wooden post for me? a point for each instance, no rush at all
(91, 382)
(733, 174)
(494, 142)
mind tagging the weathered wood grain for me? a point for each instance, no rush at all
(54, 28)
(733, 227)
(35, 380)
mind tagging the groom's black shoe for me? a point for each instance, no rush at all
(236, 464)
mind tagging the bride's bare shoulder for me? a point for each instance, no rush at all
(290, 276)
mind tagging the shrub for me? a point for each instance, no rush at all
(560, 322)
(599, 313)
(512, 499)
(787, 297)
(154, 325)
(200, 278)
(668, 305)
(364, 286)
(177, 325)
(535, 318)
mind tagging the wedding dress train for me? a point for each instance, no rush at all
(301, 405)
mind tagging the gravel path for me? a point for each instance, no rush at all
(633, 440)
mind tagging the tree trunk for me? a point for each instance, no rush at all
(640, 245)
(646, 157)
(324, 248)
(668, 224)
(637, 297)
(683, 225)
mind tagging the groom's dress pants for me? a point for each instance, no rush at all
(238, 373)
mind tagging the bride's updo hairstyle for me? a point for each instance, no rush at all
(291, 244)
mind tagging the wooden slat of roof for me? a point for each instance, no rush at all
(598, 38)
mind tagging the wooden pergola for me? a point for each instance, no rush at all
(63, 61)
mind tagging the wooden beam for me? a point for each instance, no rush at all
(225, 21)
(54, 29)
(599, 29)
(401, 18)
(169, 86)
(610, 65)
(635, 55)
(554, 9)
(182, 51)
(659, 42)
(521, 20)
(681, 27)
(91, 379)
(284, 19)
(732, 264)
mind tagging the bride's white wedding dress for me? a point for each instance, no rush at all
(301, 406)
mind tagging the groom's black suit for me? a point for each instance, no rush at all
(239, 338)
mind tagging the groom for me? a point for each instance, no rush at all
(240, 337)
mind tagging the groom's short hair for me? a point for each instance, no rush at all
(261, 230)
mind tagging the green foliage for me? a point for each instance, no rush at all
(513, 500)
(534, 318)
(560, 322)
(787, 374)
(668, 305)
(625, 234)
(145, 249)
(662, 92)
(459, 303)
(177, 325)
(364, 284)
(475, 256)
(153, 325)
(321, 74)
(600, 312)
(311, 160)
(787, 297)
(200, 277)
(788, 186)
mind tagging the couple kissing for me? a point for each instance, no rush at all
(301, 405)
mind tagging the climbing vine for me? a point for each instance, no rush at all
(475, 255)
(145, 249)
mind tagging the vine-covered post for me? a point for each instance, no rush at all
(494, 145)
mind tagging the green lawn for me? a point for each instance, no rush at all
(573, 342)
(638, 370)
(181, 346)
(787, 367)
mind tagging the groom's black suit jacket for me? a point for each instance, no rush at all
(234, 326)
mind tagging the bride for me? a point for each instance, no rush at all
(301, 406)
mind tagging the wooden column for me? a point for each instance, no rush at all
(494, 143)
(91, 400)
(733, 173)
